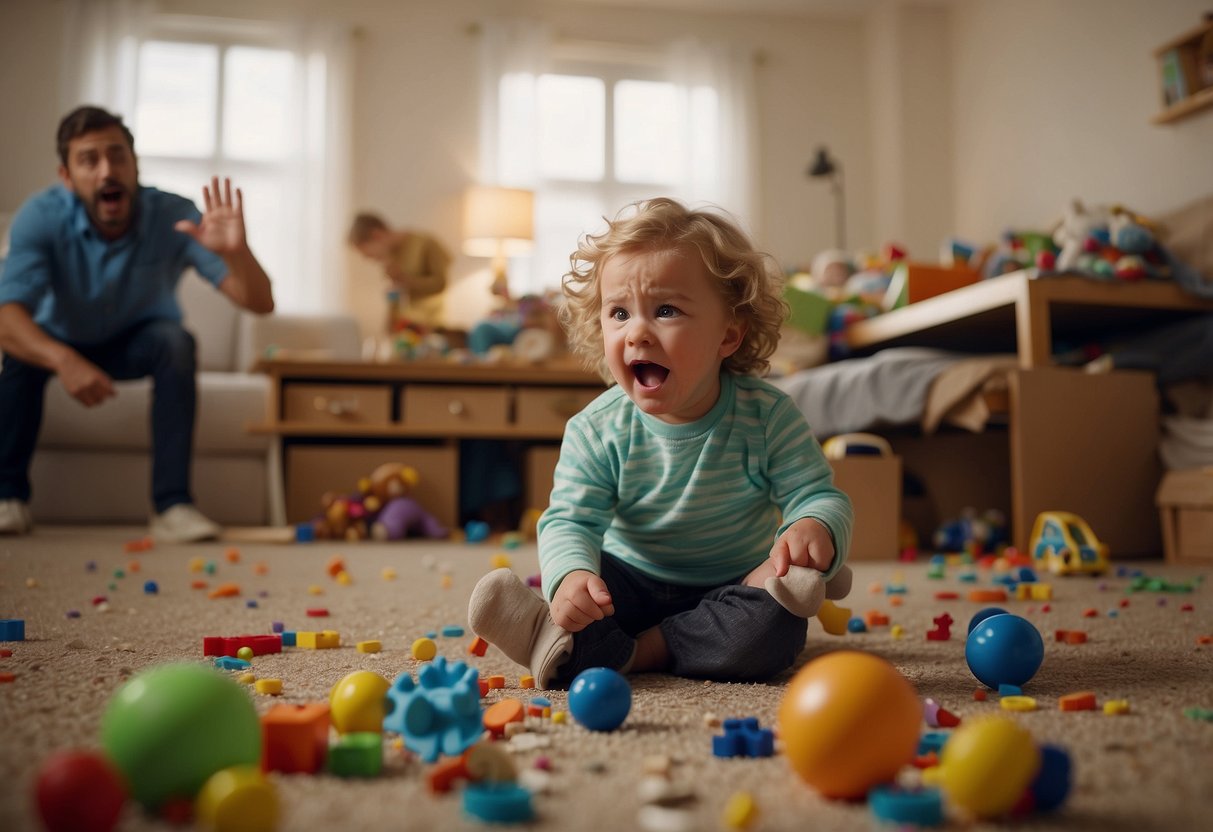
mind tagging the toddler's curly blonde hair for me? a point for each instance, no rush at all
(749, 283)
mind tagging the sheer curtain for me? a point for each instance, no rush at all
(514, 53)
(721, 172)
(296, 229)
(710, 154)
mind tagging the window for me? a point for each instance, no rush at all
(591, 137)
(224, 107)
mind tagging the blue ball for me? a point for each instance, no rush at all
(600, 699)
(982, 614)
(1004, 650)
(1052, 784)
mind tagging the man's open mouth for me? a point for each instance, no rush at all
(111, 195)
(649, 375)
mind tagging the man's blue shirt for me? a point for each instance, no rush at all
(83, 289)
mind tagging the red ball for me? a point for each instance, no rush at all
(79, 791)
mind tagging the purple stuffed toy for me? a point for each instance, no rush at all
(401, 517)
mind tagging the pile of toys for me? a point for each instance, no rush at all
(382, 508)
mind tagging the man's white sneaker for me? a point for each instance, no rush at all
(183, 523)
(15, 517)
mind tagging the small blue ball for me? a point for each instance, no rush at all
(982, 614)
(856, 625)
(600, 699)
(1052, 784)
(1004, 650)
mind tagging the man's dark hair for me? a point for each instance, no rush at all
(86, 120)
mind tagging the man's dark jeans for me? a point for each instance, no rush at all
(161, 349)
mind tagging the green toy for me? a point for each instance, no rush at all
(171, 727)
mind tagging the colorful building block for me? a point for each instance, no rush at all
(231, 663)
(12, 629)
(294, 738)
(359, 754)
(371, 646)
(1081, 701)
(324, 640)
(478, 647)
(268, 687)
(744, 738)
(230, 645)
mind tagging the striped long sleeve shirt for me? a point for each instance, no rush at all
(695, 504)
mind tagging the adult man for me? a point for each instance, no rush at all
(88, 294)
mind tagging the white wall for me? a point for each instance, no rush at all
(1053, 101)
(963, 118)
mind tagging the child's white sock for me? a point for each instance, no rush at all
(800, 591)
(507, 613)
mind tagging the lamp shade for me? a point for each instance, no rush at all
(498, 221)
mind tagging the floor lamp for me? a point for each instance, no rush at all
(824, 166)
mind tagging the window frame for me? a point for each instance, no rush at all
(611, 64)
(224, 35)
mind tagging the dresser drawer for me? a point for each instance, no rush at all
(548, 408)
(452, 407)
(337, 404)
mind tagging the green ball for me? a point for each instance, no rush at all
(245, 653)
(171, 727)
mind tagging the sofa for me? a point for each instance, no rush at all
(93, 465)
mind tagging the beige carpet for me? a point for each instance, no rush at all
(1152, 769)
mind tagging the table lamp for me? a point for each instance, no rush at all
(498, 223)
(824, 166)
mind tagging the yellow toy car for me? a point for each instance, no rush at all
(1064, 544)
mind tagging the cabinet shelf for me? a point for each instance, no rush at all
(1184, 65)
(1188, 106)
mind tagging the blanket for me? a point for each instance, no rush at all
(898, 386)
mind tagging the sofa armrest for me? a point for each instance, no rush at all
(331, 337)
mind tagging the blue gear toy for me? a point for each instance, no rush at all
(440, 713)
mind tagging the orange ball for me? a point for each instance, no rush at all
(849, 721)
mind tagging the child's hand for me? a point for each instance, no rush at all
(805, 543)
(581, 599)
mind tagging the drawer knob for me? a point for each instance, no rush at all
(455, 407)
(335, 407)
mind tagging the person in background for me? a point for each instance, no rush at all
(88, 295)
(694, 523)
(414, 262)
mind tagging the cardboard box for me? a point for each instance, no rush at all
(1185, 505)
(874, 485)
(912, 282)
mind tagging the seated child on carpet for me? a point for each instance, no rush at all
(656, 550)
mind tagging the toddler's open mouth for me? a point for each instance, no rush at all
(649, 375)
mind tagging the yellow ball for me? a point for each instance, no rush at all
(238, 799)
(424, 649)
(245, 653)
(988, 764)
(356, 703)
(849, 721)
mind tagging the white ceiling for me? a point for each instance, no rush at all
(847, 8)
(798, 8)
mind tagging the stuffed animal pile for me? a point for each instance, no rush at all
(383, 509)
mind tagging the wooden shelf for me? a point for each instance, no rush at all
(1023, 312)
(1185, 55)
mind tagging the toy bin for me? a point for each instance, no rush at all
(1185, 505)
